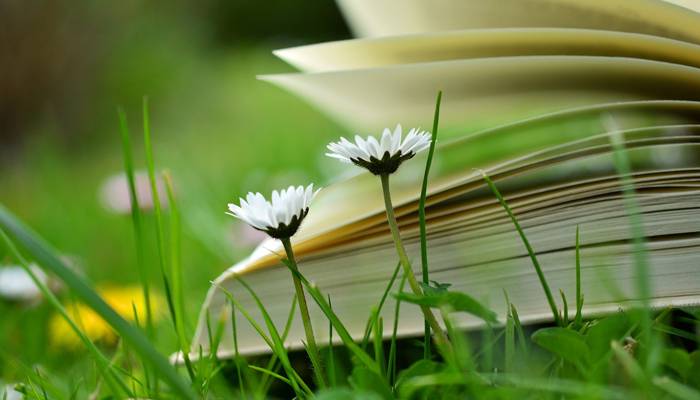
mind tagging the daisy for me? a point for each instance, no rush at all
(280, 218)
(383, 156)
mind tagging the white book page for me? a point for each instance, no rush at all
(486, 43)
(485, 92)
(374, 18)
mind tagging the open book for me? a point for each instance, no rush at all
(524, 95)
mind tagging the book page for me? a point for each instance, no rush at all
(485, 92)
(486, 43)
(373, 18)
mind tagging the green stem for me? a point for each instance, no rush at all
(412, 281)
(304, 309)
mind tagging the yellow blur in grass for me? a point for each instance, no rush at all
(123, 299)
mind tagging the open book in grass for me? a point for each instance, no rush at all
(524, 103)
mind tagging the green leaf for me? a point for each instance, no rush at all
(458, 301)
(569, 345)
(368, 380)
(347, 394)
(615, 327)
(422, 368)
(677, 360)
(436, 290)
(694, 369)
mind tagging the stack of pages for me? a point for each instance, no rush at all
(529, 90)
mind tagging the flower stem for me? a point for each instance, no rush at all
(306, 319)
(412, 281)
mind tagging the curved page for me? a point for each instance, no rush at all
(373, 18)
(485, 92)
(486, 43)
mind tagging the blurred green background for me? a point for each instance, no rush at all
(65, 67)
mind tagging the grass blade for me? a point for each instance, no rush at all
(622, 165)
(160, 238)
(103, 364)
(331, 360)
(536, 263)
(519, 328)
(136, 218)
(421, 216)
(45, 255)
(270, 373)
(277, 341)
(566, 308)
(676, 389)
(365, 341)
(488, 346)
(391, 369)
(235, 350)
(459, 360)
(510, 336)
(178, 290)
(339, 327)
(377, 328)
(579, 298)
(265, 382)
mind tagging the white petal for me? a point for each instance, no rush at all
(275, 198)
(387, 142)
(363, 147)
(373, 147)
(314, 196)
(396, 140)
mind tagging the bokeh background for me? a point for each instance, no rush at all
(65, 67)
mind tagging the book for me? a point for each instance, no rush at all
(528, 96)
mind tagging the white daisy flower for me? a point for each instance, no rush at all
(279, 219)
(381, 157)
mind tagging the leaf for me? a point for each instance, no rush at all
(368, 380)
(678, 360)
(421, 368)
(599, 336)
(346, 394)
(458, 301)
(436, 290)
(569, 345)
(429, 380)
(694, 369)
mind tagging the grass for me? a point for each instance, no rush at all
(627, 355)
